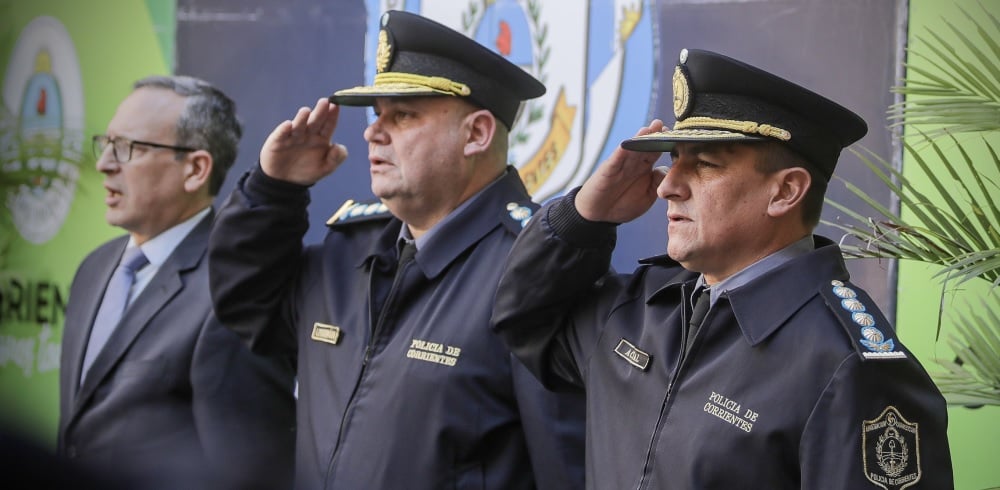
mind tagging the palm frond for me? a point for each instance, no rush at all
(958, 228)
(952, 218)
(962, 93)
(973, 378)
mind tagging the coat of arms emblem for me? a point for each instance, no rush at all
(891, 450)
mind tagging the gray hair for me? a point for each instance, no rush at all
(208, 121)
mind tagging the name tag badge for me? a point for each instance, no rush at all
(632, 354)
(326, 333)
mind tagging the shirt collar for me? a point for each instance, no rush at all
(159, 248)
(404, 231)
(763, 305)
(759, 268)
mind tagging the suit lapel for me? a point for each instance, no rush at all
(76, 330)
(164, 286)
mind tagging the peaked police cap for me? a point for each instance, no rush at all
(418, 57)
(717, 98)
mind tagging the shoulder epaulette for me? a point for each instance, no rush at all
(354, 212)
(862, 320)
(516, 215)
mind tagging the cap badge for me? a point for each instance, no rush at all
(891, 446)
(682, 93)
(383, 55)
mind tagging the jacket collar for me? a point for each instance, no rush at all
(764, 304)
(460, 231)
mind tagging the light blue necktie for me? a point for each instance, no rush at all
(113, 305)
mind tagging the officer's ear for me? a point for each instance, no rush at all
(197, 170)
(788, 191)
(481, 128)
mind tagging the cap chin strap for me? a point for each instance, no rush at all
(750, 127)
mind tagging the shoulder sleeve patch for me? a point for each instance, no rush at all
(355, 212)
(890, 447)
(862, 320)
(516, 215)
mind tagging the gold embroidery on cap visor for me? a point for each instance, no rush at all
(409, 83)
(746, 127)
(686, 135)
(728, 130)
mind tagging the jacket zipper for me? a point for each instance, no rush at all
(664, 408)
(387, 306)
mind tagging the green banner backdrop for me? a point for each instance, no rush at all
(66, 66)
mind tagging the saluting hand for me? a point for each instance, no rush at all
(624, 186)
(300, 150)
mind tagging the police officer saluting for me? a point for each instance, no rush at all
(744, 357)
(402, 384)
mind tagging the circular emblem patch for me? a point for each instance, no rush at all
(863, 319)
(41, 130)
(844, 292)
(519, 213)
(852, 305)
(872, 334)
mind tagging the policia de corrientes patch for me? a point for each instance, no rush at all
(891, 450)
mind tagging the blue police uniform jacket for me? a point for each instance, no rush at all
(402, 384)
(794, 380)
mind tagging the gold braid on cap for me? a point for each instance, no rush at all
(741, 126)
(438, 84)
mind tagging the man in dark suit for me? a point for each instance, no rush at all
(152, 387)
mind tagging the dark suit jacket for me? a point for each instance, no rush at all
(173, 397)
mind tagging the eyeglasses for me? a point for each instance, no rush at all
(122, 147)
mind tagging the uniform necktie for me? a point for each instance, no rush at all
(406, 254)
(405, 257)
(112, 306)
(380, 294)
(703, 300)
